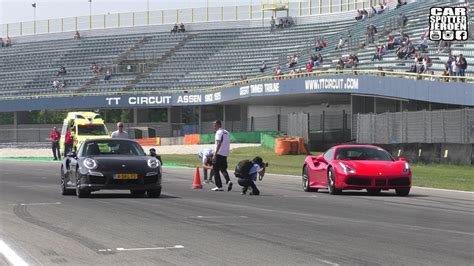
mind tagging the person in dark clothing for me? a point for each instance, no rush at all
(153, 154)
(258, 168)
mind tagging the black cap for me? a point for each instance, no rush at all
(218, 122)
(258, 160)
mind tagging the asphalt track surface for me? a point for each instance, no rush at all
(283, 226)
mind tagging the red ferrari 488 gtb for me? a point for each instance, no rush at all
(356, 167)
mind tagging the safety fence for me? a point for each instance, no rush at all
(186, 15)
(444, 126)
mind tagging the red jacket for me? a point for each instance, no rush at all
(54, 135)
(68, 138)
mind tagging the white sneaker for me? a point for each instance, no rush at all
(217, 189)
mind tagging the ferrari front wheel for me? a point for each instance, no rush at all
(305, 179)
(332, 183)
(402, 191)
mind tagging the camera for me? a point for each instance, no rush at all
(265, 164)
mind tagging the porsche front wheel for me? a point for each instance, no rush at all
(305, 180)
(332, 183)
(80, 192)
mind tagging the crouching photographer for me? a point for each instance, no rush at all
(247, 171)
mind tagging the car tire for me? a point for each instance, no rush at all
(402, 191)
(153, 193)
(332, 183)
(64, 190)
(81, 193)
(137, 193)
(373, 191)
(305, 180)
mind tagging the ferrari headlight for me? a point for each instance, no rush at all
(153, 163)
(90, 163)
(406, 169)
(347, 169)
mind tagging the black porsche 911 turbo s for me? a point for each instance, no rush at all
(110, 164)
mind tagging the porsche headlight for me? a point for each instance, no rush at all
(347, 169)
(406, 169)
(90, 163)
(153, 163)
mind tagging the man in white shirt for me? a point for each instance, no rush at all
(219, 159)
(119, 133)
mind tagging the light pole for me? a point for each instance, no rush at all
(90, 14)
(148, 12)
(34, 17)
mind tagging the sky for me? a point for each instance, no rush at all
(21, 10)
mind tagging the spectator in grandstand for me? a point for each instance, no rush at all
(56, 84)
(243, 76)
(263, 66)
(2, 44)
(96, 68)
(359, 15)
(371, 30)
(454, 66)
(62, 71)
(379, 52)
(445, 76)
(423, 44)
(8, 43)
(175, 28)
(277, 71)
(120, 133)
(390, 42)
(340, 64)
(108, 75)
(462, 64)
(181, 28)
(318, 60)
(448, 66)
(292, 61)
(55, 136)
(400, 3)
(272, 24)
(309, 66)
(365, 14)
(341, 43)
(427, 63)
(319, 44)
(403, 20)
(382, 9)
(352, 61)
(77, 36)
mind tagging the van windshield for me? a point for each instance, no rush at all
(91, 129)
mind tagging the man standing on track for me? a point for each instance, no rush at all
(120, 133)
(54, 136)
(219, 158)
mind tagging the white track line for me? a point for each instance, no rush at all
(139, 249)
(37, 203)
(10, 255)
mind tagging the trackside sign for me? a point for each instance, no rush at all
(332, 84)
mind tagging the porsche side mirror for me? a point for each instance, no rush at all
(71, 154)
(401, 158)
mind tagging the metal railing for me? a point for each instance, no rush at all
(381, 73)
(171, 16)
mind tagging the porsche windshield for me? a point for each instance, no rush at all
(112, 147)
(363, 153)
(92, 130)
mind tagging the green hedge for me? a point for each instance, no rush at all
(268, 139)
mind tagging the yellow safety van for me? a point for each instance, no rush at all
(83, 125)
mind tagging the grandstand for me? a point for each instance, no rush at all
(210, 57)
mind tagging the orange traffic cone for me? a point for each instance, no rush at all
(197, 180)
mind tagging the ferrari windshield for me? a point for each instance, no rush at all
(363, 154)
(112, 147)
(92, 130)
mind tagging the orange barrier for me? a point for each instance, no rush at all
(149, 141)
(292, 146)
(192, 139)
